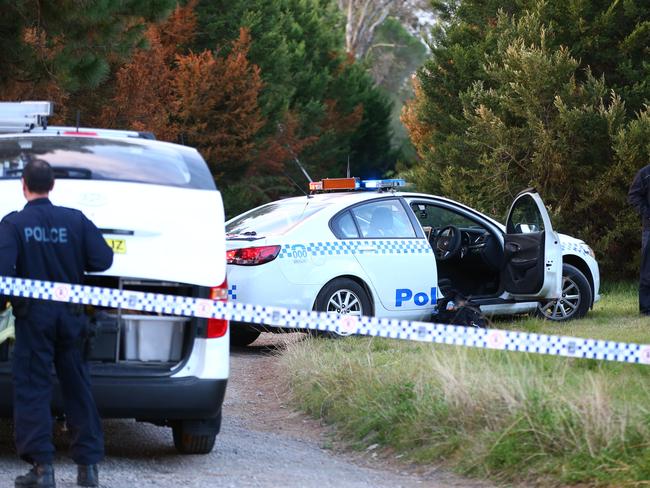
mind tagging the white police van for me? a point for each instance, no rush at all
(157, 205)
(364, 248)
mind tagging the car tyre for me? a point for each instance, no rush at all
(242, 334)
(190, 443)
(576, 297)
(344, 296)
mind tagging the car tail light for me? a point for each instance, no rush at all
(252, 256)
(218, 327)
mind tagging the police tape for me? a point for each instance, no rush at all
(497, 339)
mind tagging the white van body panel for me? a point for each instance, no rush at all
(207, 359)
(170, 239)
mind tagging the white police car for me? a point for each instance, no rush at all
(157, 205)
(364, 248)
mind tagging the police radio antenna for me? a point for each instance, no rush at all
(347, 175)
(302, 168)
(295, 156)
(78, 118)
(302, 190)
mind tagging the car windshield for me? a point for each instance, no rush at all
(106, 159)
(273, 218)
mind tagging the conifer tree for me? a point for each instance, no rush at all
(528, 93)
(299, 47)
(46, 43)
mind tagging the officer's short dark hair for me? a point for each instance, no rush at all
(38, 176)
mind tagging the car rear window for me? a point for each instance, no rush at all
(107, 159)
(273, 218)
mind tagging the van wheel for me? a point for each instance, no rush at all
(575, 301)
(187, 443)
(343, 296)
(242, 334)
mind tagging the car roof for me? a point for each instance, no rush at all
(344, 199)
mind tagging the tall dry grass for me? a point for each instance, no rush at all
(538, 419)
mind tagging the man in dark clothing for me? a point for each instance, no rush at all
(46, 242)
(639, 197)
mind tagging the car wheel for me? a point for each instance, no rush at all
(575, 301)
(190, 443)
(242, 334)
(343, 296)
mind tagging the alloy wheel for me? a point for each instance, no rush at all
(345, 302)
(565, 307)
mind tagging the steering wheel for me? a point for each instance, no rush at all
(447, 243)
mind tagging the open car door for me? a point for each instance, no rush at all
(532, 251)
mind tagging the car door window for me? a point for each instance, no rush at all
(344, 227)
(525, 217)
(383, 218)
(435, 217)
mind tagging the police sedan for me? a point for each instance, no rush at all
(367, 248)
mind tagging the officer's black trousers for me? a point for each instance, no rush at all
(49, 334)
(644, 282)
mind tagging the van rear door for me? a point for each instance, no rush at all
(155, 202)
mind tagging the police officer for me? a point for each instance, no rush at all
(46, 242)
(639, 197)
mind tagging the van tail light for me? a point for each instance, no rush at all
(218, 327)
(252, 256)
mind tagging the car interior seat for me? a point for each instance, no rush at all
(381, 222)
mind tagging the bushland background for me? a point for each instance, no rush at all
(472, 99)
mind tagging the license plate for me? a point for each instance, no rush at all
(117, 245)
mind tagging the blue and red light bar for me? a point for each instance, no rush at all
(342, 184)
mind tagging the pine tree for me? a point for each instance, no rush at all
(216, 105)
(299, 47)
(47, 43)
(532, 93)
(143, 95)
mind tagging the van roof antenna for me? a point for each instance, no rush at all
(78, 117)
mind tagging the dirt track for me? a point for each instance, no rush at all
(263, 443)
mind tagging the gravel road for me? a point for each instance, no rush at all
(263, 443)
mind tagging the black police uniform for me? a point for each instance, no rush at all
(46, 242)
(639, 197)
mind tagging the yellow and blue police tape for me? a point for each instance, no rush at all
(505, 340)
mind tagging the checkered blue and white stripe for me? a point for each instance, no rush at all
(345, 325)
(342, 247)
(579, 248)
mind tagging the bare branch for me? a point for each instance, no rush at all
(362, 19)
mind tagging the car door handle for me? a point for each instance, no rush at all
(513, 247)
(367, 249)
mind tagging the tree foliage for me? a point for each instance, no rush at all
(320, 105)
(216, 106)
(65, 45)
(207, 99)
(507, 102)
(254, 84)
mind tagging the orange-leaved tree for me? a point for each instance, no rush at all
(216, 105)
(204, 99)
(143, 91)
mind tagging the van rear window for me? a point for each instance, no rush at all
(107, 159)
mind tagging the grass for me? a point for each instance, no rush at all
(510, 417)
